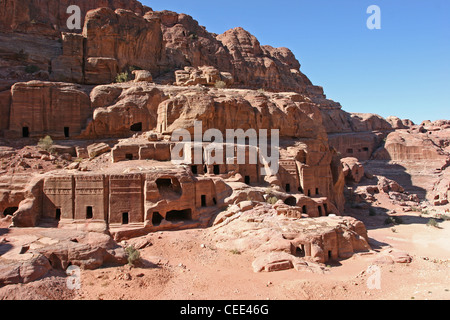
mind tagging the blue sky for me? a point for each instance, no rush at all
(402, 69)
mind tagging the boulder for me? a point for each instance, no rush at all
(142, 76)
(25, 271)
(97, 149)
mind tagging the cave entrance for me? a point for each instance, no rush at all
(325, 207)
(156, 219)
(125, 218)
(216, 169)
(10, 211)
(66, 132)
(137, 127)
(203, 201)
(300, 251)
(129, 156)
(194, 169)
(288, 188)
(179, 215)
(58, 214)
(304, 210)
(291, 201)
(320, 211)
(169, 187)
(89, 213)
(247, 179)
(25, 132)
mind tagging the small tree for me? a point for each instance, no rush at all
(133, 255)
(46, 144)
(122, 77)
(272, 200)
(220, 85)
(433, 223)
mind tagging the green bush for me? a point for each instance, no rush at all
(133, 255)
(31, 69)
(393, 220)
(122, 77)
(220, 85)
(272, 200)
(433, 223)
(193, 36)
(46, 144)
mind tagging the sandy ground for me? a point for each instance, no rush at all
(186, 265)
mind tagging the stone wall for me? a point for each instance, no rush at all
(40, 108)
(126, 203)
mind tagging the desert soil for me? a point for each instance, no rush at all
(187, 265)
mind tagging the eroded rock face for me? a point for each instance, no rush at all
(39, 108)
(353, 169)
(124, 36)
(50, 17)
(203, 76)
(267, 233)
(28, 257)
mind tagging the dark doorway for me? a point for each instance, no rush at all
(317, 190)
(205, 169)
(291, 201)
(304, 210)
(325, 207)
(288, 188)
(214, 201)
(125, 218)
(203, 201)
(10, 211)
(66, 132)
(89, 213)
(309, 193)
(320, 211)
(179, 215)
(300, 189)
(247, 179)
(194, 169)
(156, 219)
(300, 251)
(25, 132)
(58, 214)
(330, 255)
(216, 169)
(129, 156)
(137, 127)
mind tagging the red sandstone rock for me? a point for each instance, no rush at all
(55, 109)
(353, 169)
